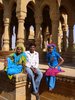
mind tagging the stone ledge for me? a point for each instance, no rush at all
(66, 78)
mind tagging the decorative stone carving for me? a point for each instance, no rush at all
(6, 35)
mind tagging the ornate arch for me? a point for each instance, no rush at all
(28, 1)
(31, 5)
(66, 5)
(45, 3)
(65, 9)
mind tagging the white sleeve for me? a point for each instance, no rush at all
(37, 61)
(27, 61)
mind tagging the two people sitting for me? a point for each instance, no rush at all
(28, 61)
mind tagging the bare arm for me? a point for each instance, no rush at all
(60, 62)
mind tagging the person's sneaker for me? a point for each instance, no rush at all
(50, 89)
(37, 96)
(34, 93)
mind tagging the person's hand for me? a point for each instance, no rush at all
(33, 69)
(59, 68)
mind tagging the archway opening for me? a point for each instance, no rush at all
(13, 28)
(29, 23)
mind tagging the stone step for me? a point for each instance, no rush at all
(63, 91)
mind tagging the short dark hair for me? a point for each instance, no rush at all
(32, 44)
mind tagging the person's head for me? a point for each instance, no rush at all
(51, 47)
(19, 49)
(32, 47)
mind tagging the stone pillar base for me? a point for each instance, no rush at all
(14, 89)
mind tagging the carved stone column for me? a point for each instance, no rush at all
(6, 19)
(55, 24)
(60, 34)
(65, 30)
(38, 36)
(6, 35)
(70, 38)
(38, 21)
(64, 46)
(20, 35)
(21, 14)
(54, 15)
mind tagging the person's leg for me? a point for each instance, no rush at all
(9, 62)
(11, 71)
(19, 68)
(38, 78)
(31, 77)
(14, 69)
(52, 82)
(47, 80)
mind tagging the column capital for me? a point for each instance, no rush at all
(65, 27)
(21, 15)
(6, 20)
